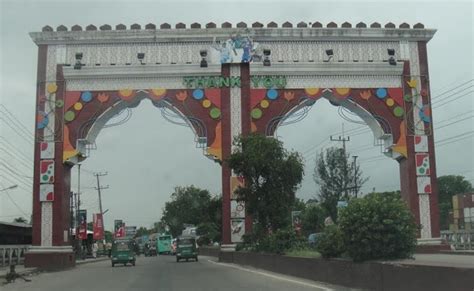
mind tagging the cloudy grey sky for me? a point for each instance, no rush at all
(147, 157)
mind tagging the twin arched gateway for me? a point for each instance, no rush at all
(223, 82)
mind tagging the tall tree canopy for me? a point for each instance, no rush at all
(272, 176)
(337, 177)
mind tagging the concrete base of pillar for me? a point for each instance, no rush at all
(50, 258)
(431, 245)
(228, 248)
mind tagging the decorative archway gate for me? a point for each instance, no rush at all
(224, 82)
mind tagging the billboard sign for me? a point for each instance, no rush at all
(98, 226)
(82, 226)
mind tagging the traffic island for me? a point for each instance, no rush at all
(367, 275)
(50, 258)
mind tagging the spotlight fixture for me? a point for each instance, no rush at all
(140, 57)
(330, 54)
(266, 57)
(203, 54)
(78, 64)
(391, 59)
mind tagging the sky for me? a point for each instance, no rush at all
(147, 157)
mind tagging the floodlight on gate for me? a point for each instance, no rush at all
(140, 57)
(391, 59)
(78, 64)
(330, 54)
(203, 54)
(266, 57)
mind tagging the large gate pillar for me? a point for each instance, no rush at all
(51, 245)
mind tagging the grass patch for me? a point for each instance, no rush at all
(303, 253)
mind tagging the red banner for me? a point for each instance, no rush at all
(82, 227)
(98, 226)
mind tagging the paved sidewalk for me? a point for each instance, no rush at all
(21, 270)
(443, 260)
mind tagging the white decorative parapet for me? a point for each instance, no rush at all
(12, 254)
(459, 239)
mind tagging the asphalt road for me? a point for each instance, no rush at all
(163, 273)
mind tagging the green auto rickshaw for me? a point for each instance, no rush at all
(186, 248)
(123, 252)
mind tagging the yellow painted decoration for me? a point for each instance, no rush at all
(51, 88)
(311, 91)
(253, 127)
(412, 83)
(126, 92)
(342, 91)
(69, 154)
(390, 102)
(158, 91)
(206, 103)
(78, 106)
(264, 103)
(401, 145)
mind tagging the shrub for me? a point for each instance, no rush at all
(378, 226)
(277, 242)
(331, 243)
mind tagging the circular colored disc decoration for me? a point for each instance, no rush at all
(389, 102)
(264, 104)
(311, 91)
(398, 111)
(407, 98)
(51, 88)
(86, 96)
(198, 94)
(78, 106)
(158, 91)
(206, 103)
(256, 113)
(69, 116)
(59, 103)
(381, 93)
(342, 91)
(425, 113)
(272, 94)
(215, 113)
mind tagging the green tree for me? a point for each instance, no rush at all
(188, 205)
(272, 176)
(313, 219)
(142, 231)
(337, 177)
(448, 186)
(108, 236)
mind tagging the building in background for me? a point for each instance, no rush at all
(462, 216)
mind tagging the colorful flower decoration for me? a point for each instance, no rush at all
(181, 96)
(365, 94)
(102, 97)
(59, 103)
(425, 113)
(289, 95)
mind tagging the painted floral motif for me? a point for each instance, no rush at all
(422, 164)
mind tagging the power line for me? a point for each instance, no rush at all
(13, 201)
(451, 100)
(4, 141)
(15, 129)
(450, 90)
(17, 120)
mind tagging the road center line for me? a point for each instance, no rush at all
(272, 276)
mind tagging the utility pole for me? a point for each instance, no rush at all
(343, 139)
(355, 176)
(98, 188)
(78, 206)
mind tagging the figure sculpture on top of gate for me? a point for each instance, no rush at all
(225, 82)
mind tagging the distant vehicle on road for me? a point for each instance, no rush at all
(123, 252)
(163, 244)
(186, 248)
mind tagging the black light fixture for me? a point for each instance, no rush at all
(266, 57)
(391, 59)
(330, 54)
(140, 57)
(203, 54)
(78, 64)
